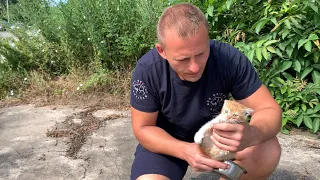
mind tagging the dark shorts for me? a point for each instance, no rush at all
(146, 162)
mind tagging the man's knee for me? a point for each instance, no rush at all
(271, 150)
(152, 177)
(261, 160)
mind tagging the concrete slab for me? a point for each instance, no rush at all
(27, 153)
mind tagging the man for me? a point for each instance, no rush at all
(181, 84)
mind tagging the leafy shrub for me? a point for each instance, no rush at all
(72, 35)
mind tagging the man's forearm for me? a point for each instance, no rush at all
(265, 124)
(159, 141)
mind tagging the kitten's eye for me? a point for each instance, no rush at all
(226, 111)
(234, 115)
(246, 113)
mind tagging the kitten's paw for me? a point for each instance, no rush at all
(198, 138)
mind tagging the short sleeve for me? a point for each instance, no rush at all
(143, 91)
(245, 80)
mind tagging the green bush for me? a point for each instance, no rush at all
(72, 35)
(116, 33)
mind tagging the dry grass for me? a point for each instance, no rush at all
(66, 90)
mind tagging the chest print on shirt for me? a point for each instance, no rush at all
(139, 89)
(215, 102)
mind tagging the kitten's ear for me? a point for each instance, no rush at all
(248, 111)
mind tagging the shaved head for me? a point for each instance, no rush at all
(184, 19)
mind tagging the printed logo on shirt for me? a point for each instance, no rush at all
(139, 89)
(215, 102)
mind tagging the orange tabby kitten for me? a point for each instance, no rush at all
(231, 112)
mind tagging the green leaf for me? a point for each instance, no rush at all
(306, 72)
(229, 3)
(316, 77)
(315, 125)
(280, 80)
(287, 76)
(285, 65)
(287, 22)
(289, 50)
(293, 3)
(295, 22)
(307, 121)
(251, 54)
(314, 7)
(285, 33)
(313, 37)
(317, 66)
(317, 108)
(260, 42)
(316, 57)
(283, 89)
(303, 107)
(299, 120)
(279, 53)
(258, 54)
(271, 49)
(285, 131)
(270, 42)
(265, 53)
(261, 24)
(302, 42)
(308, 46)
(274, 20)
(210, 10)
(282, 46)
(284, 121)
(310, 104)
(297, 66)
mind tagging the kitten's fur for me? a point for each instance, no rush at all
(231, 112)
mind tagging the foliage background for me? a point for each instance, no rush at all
(100, 38)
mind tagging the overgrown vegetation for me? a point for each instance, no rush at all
(94, 42)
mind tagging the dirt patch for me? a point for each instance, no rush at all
(77, 128)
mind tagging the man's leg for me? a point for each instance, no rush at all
(261, 160)
(152, 177)
(151, 166)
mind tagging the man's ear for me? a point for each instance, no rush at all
(160, 50)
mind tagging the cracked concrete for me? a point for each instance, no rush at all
(27, 153)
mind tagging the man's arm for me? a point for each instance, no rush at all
(265, 122)
(159, 141)
(154, 138)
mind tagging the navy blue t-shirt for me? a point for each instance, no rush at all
(185, 106)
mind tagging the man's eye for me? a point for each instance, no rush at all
(200, 54)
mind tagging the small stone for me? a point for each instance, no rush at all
(77, 121)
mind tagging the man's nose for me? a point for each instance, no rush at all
(194, 67)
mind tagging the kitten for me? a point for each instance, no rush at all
(231, 112)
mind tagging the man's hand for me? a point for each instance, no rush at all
(231, 137)
(199, 162)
